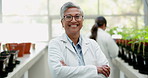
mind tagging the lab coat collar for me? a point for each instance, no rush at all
(99, 29)
(68, 45)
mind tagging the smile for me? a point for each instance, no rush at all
(73, 25)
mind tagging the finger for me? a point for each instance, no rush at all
(106, 70)
(104, 73)
(62, 62)
(99, 69)
(106, 66)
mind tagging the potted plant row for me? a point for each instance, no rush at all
(9, 55)
(133, 48)
(8, 62)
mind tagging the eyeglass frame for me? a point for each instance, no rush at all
(75, 17)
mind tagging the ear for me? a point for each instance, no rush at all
(83, 19)
(62, 23)
(104, 26)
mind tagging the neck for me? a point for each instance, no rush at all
(103, 27)
(74, 38)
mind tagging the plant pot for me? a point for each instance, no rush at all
(141, 63)
(7, 56)
(27, 48)
(11, 46)
(124, 54)
(134, 60)
(16, 47)
(144, 69)
(126, 59)
(21, 48)
(130, 58)
(12, 60)
(120, 52)
(3, 63)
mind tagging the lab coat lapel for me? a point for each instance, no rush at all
(69, 46)
(67, 43)
(84, 46)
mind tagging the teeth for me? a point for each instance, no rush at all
(73, 25)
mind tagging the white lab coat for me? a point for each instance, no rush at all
(110, 49)
(61, 49)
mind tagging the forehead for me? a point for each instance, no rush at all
(72, 11)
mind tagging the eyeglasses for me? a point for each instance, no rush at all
(69, 17)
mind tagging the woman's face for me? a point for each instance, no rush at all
(72, 21)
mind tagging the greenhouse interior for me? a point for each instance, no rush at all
(31, 44)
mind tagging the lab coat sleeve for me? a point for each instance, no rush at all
(59, 71)
(100, 56)
(112, 47)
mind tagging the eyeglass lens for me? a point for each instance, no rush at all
(69, 17)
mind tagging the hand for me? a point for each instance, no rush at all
(62, 62)
(105, 70)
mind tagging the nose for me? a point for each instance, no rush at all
(73, 19)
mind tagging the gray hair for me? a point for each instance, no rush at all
(68, 5)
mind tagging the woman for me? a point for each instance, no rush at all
(107, 44)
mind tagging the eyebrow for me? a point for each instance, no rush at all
(71, 15)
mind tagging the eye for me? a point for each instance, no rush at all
(68, 17)
(77, 17)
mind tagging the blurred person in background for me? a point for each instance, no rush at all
(106, 42)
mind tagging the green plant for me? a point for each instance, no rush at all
(140, 36)
(112, 30)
